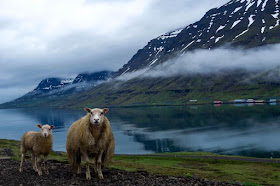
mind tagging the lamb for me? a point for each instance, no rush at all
(39, 143)
(91, 136)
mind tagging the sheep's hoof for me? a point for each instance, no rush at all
(47, 172)
(40, 173)
(100, 176)
(35, 169)
(88, 176)
(20, 169)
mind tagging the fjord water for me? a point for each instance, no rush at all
(249, 130)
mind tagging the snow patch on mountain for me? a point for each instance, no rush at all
(259, 3)
(251, 20)
(264, 5)
(218, 39)
(262, 29)
(236, 10)
(242, 33)
(220, 28)
(235, 23)
(187, 46)
(249, 6)
(170, 34)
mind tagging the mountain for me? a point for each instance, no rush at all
(93, 77)
(51, 84)
(238, 23)
(53, 88)
(247, 23)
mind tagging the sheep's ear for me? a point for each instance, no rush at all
(87, 109)
(38, 125)
(105, 110)
(52, 127)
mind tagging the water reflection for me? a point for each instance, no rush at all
(251, 130)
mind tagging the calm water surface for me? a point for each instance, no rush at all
(250, 130)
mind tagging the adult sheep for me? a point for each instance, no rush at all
(90, 136)
(39, 143)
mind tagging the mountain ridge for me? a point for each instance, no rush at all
(50, 88)
(248, 23)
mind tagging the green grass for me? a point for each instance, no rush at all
(14, 145)
(224, 170)
(249, 173)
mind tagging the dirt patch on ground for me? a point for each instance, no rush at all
(61, 175)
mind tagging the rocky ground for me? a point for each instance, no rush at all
(60, 175)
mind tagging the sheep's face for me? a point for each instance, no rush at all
(46, 130)
(96, 115)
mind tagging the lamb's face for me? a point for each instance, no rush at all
(45, 130)
(96, 115)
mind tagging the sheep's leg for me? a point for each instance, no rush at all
(79, 170)
(46, 164)
(87, 166)
(38, 158)
(95, 164)
(99, 163)
(21, 163)
(34, 163)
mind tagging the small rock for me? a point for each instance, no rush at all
(6, 152)
(195, 176)
(172, 178)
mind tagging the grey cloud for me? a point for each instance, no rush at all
(35, 46)
(214, 61)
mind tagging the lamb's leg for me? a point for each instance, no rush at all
(46, 164)
(99, 163)
(21, 163)
(38, 158)
(34, 164)
(87, 166)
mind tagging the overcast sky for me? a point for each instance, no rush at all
(61, 38)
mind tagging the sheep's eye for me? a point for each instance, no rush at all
(90, 112)
(101, 113)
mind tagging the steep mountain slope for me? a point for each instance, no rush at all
(249, 23)
(177, 90)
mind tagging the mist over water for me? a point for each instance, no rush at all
(246, 130)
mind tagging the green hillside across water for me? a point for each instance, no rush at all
(237, 84)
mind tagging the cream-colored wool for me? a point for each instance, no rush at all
(38, 145)
(85, 140)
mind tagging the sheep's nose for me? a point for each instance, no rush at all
(45, 134)
(96, 119)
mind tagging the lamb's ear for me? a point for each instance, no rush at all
(38, 125)
(105, 110)
(87, 109)
(52, 127)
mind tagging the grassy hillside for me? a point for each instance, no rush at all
(205, 88)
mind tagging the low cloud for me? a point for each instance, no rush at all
(214, 61)
(49, 38)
